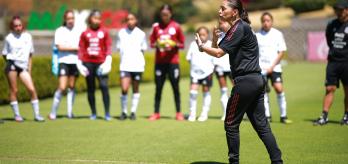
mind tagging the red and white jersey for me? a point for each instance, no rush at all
(170, 31)
(94, 45)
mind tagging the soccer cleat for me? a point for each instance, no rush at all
(344, 120)
(320, 121)
(285, 120)
(154, 117)
(51, 116)
(123, 116)
(39, 118)
(70, 116)
(203, 117)
(19, 119)
(93, 117)
(107, 118)
(132, 116)
(192, 118)
(179, 116)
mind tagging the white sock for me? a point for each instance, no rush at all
(36, 108)
(267, 108)
(15, 108)
(224, 99)
(124, 103)
(56, 100)
(193, 101)
(282, 104)
(135, 102)
(206, 102)
(70, 96)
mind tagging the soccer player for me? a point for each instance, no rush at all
(131, 42)
(271, 49)
(337, 67)
(222, 67)
(18, 51)
(66, 39)
(202, 67)
(167, 37)
(95, 61)
(248, 92)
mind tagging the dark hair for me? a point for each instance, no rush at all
(65, 15)
(16, 17)
(238, 4)
(266, 14)
(91, 14)
(166, 7)
(202, 28)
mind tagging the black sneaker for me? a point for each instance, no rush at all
(344, 120)
(123, 116)
(285, 120)
(320, 121)
(132, 116)
(269, 119)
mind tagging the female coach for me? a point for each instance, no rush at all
(248, 91)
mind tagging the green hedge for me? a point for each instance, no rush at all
(46, 83)
(300, 6)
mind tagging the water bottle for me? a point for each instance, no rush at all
(55, 66)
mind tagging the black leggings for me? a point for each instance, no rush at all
(247, 97)
(161, 71)
(103, 85)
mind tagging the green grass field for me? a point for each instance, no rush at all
(168, 141)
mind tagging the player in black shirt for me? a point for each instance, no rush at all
(337, 67)
(248, 93)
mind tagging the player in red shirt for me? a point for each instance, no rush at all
(167, 37)
(95, 61)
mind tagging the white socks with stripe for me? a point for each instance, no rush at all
(56, 100)
(224, 101)
(266, 102)
(206, 102)
(70, 96)
(135, 102)
(124, 102)
(36, 108)
(15, 108)
(193, 102)
(282, 104)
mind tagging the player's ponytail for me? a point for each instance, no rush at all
(238, 4)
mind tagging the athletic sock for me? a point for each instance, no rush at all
(135, 102)
(70, 96)
(206, 102)
(36, 108)
(56, 100)
(124, 103)
(193, 101)
(282, 104)
(15, 108)
(325, 115)
(224, 99)
(267, 108)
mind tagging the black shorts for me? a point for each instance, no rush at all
(10, 66)
(335, 72)
(275, 77)
(208, 81)
(136, 76)
(68, 70)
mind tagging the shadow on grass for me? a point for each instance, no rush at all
(207, 162)
(162, 117)
(329, 122)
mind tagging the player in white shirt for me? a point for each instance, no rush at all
(202, 67)
(66, 39)
(222, 67)
(131, 42)
(271, 48)
(17, 51)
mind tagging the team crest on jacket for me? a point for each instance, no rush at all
(172, 31)
(100, 35)
(88, 35)
(346, 30)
